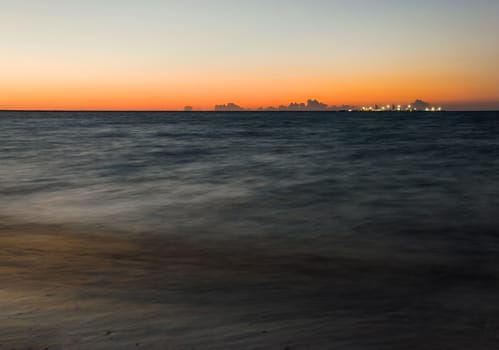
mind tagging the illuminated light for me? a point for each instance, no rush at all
(433, 109)
(387, 106)
(427, 109)
(439, 109)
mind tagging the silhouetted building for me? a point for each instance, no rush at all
(311, 105)
(315, 105)
(420, 105)
(229, 107)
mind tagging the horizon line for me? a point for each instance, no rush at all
(234, 111)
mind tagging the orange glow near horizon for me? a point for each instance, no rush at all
(108, 88)
(248, 92)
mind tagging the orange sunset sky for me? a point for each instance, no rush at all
(148, 55)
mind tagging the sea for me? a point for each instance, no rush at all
(249, 230)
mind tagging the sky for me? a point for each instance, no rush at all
(152, 54)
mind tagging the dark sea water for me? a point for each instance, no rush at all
(274, 230)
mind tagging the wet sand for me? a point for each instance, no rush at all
(82, 288)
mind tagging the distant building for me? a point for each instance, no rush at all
(188, 109)
(311, 105)
(420, 105)
(315, 105)
(293, 106)
(229, 107)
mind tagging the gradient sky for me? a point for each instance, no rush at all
(152, 54)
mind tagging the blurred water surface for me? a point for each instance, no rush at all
(260, 230)
(300, 178)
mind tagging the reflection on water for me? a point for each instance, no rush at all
(242, 230)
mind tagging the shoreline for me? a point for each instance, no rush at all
(80, 290)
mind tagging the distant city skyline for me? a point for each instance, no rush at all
(308, 105)
(164, 55)
(316, 105)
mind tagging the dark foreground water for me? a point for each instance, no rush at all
(249, 230)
